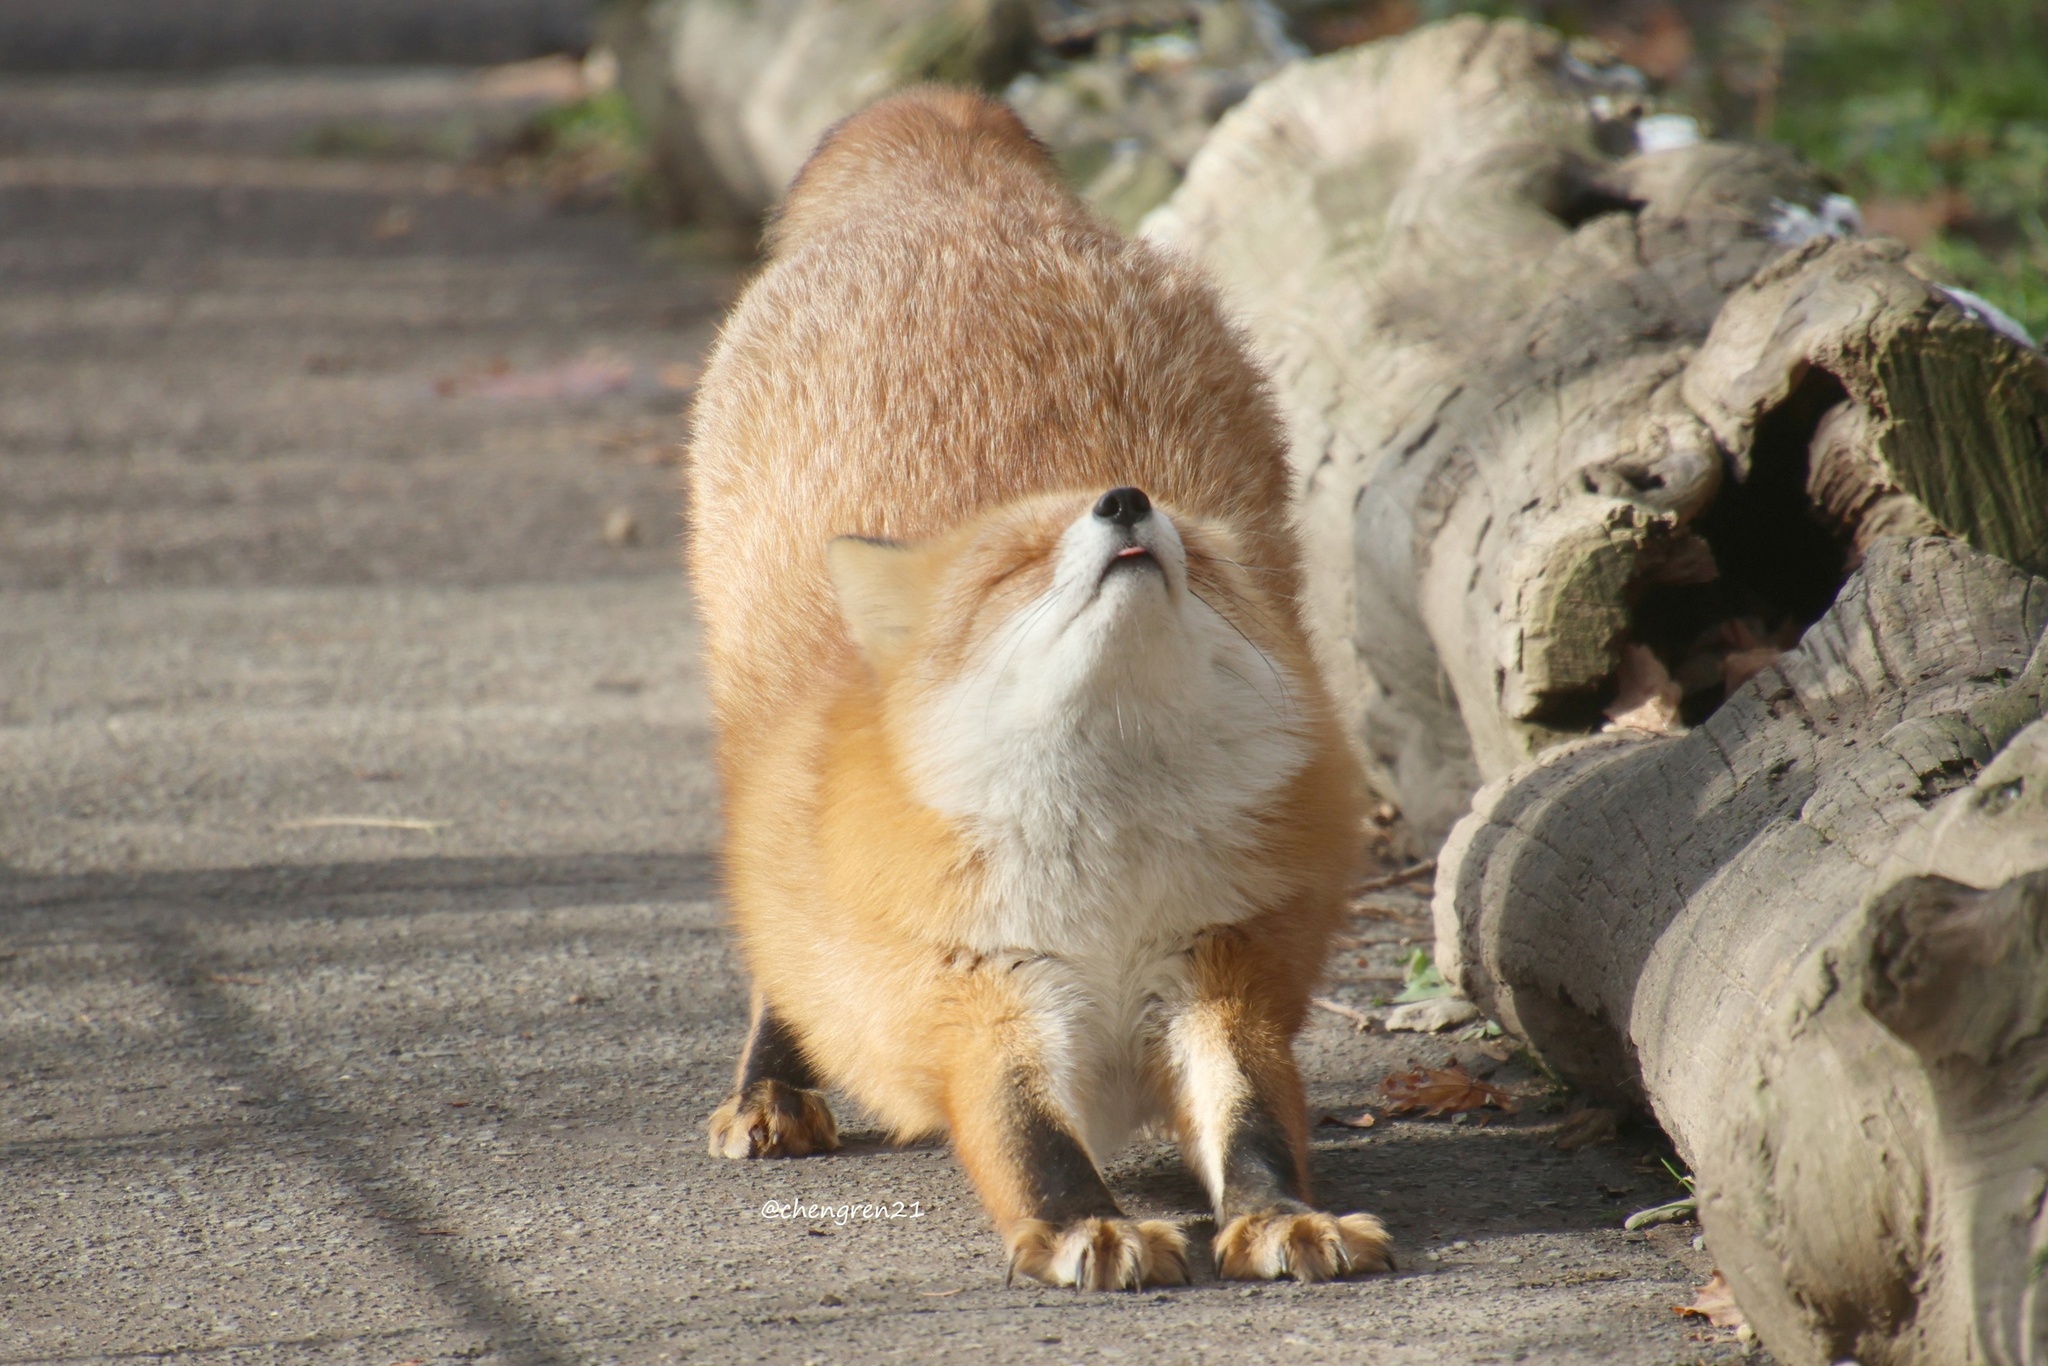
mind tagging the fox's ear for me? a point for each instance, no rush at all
(879, 594)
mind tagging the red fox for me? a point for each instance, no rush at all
(1038, 819)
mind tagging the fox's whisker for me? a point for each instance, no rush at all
(1019, 633)
(1279, 674)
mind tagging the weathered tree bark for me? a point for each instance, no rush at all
(1820, 950)
(736, 93)
(1550, 396)
(1571, 418)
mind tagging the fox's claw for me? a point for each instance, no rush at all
(773, 1119)
(1099, 1254)
(1310, 1246)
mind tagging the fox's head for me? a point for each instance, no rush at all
(1079, 656)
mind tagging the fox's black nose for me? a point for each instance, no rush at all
(1125, 507)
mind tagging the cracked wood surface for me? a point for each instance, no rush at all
(1525, 369)
(1550, 401)
(1709, 921)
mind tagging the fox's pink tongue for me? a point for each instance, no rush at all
(1128, 551)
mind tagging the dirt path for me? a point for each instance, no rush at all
(362, 985)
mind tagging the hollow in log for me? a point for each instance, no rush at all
(1812, 934)
(1552, 397)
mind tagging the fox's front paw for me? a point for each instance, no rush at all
(1309, 1246)
(773, 1119)
(1099, 1254)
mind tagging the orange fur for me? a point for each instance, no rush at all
(947, 351)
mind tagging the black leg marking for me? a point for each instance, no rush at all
(1260, 1174)
(771, 1053)
(1061, 1182)
(774, 1109)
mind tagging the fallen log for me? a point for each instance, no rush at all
(1813, 933)
(1557, 388)
(734, 94)
(1592, 422)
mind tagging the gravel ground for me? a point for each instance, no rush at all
(362, 981)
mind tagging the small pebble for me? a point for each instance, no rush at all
(1699, 1242)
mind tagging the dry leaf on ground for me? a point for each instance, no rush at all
(1364, 1119)
(1671, 1212)
(1441, 1091)
(1715, 1303)
(1585, 1129)
(1431, 1016)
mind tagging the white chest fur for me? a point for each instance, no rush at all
(1111, 773)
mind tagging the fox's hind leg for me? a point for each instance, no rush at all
(1244, 1129)
(775, 1109)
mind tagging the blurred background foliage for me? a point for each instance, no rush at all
(1932, 113)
